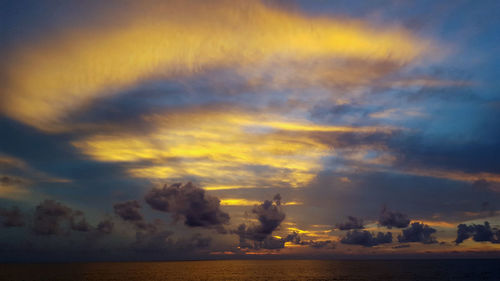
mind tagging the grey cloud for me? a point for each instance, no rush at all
(157, 239)
(52, 217)
(319, 244)
(128, 211)
(11, 217)
(105, 226)
(478, 232)
(352, 223)
(189, 202)
(79, 223)
(273, 243)
(366, 238)
(270, 216)
(296, 239)
(417, 232)
(392, 219)
(48, 217)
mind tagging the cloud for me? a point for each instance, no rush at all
(130, 211)
(352, 223)
(190, 203)
(366, 238)
(295, 238)
(221, 147)
(417, 232)
(162, 242)
(319, 244)
(246, 202)
(52, 217)
(69, 69)
(105, 226)
(13, 187)
(478, 232)
(11, 217)
(79, 223)
(270, 216)
(392, 219)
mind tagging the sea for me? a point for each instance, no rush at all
(398, 270)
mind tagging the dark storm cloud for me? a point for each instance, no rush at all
(270, 215)
(478, 232)
(392, 219)
(189, 202)
(351, 223)
(417, 232)
(366, 238)
(11, 217)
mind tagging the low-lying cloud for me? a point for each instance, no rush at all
(11, 217)
(392, 219)
(418, 232)
(270, 216)
(190, 203)
(366, 238)
(478, 232)
(51, 216)
(351, 223)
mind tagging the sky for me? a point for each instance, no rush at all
(160, 130)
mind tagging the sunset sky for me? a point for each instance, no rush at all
(140, 130)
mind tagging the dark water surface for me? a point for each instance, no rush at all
(259, 270)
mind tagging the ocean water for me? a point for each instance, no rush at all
(400, 270)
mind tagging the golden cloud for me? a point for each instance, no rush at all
(219, 149)
(246, 202)
(67, 71)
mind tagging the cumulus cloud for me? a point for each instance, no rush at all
(295, 238)
(270, 215)
(130, 211)
(478, 232)
(417, 232)
(49, 215)
(79, 223)
(190, 203)
(366, 238)
(11, 217)
(52, 217)
(105, 226)
(352, 223)
(392, 219)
